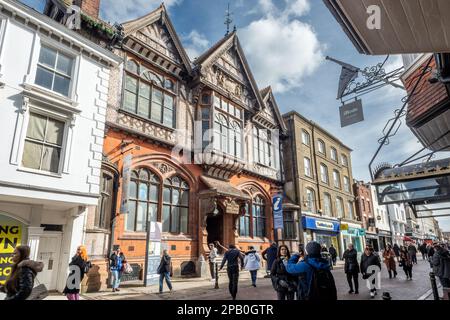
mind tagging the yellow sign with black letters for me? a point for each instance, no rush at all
(10, 238)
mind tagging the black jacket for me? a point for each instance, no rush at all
(165, 264)
(84, 266)
(333, 252)
(114, 260)
(24, 282)
(279, 272)
(366, 261)
(232, 257)
(351, 261)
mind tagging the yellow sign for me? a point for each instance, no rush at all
(10, 238)
(344, 226)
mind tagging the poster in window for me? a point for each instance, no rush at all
(11, 233)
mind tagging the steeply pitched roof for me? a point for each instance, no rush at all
(160, 13)
(267, 95)
(212, 54)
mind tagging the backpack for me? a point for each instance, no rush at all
(322, 285)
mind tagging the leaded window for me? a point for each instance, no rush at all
(175, 206)
(259, 217)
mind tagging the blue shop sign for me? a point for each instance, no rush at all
(319, 224)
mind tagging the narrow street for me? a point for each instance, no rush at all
(399, 288)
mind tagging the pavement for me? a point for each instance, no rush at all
(199, 289)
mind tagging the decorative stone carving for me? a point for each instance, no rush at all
(164, 168)
(25, 105)
(230, 205)
(146, 127)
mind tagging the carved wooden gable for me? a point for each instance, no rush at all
(158, 38)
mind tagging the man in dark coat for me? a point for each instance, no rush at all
(396, 249)
(369, 259)
(164, 270)
(270, 255)
(412, 250)
(333, 253)
(423, 250)
(233, 257)
(441, 265)
(351, 267)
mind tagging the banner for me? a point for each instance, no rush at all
(126, 176)
(154, 253)
(10, 238)
(278, 212)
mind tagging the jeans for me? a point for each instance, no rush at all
(408, 271)
(285, 295)
(212, 269)
(414, 258)
(115, 278)
(73, 296)
(253, 275)
(165, 275)
(353, 276)
(233, 277)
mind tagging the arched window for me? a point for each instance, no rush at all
(221, 133)
(306, 138)
(235, 139)
(310, 200)
(336, 179)
(259, 217)
(321, 146)
(244, 222)
(324, 173)
(143, 200)
(175, 206)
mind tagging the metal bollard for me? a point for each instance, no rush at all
(434, 286)
(217, 276)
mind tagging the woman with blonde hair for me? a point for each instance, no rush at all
(79, 266)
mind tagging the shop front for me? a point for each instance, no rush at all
(323, 231)
(354, 234)
(373, 240)
(385, 238)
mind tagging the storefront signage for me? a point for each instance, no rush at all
(344, 226)
(154, 252)
(319, 224)
(10, 238)
(277, 212)
(351, 113)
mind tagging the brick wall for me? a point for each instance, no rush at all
(427, 98)
(89, 7)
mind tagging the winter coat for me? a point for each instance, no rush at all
(232, 258)
(333, 252)
(270, 255)
(423, 248)
(396, 249)
(351, 261)
(304, 271)
(389, 259)
(367, 261)
(412, 249)
(430, 252)
(441, 263)
(20, 287)
(252, 261)
(278, 272)
(83, 266)
(165, 265)
(406, 259)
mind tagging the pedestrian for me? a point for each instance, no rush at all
(270, 255)
(315, 281)
(252, 263)
(370, 259)
(396, 249)
(234, 258)
(165, 271)
(441, 265)
(430, 253)
(284, 284)
(412, 252)
(351, 268)
(324, 248)
(79, 265)
(116, 264)
(333, 253)
(389, 261)
(406, 262)
(213, 254)
(20, 282)
(423, 250)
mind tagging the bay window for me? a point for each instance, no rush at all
(262, 147)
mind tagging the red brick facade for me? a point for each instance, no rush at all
(364, 205)
(89, 7)
(428, 97)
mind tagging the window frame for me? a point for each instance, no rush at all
(321, 145)
(102, 219)
(308, 138)
(347, 187)
(267, 145)
(338, 180)
(330, 207)
(340, 213)
(333, 154)
(327, 180)
(289, 221)
(153, 85)
(179, 206)
(312, 207)
(344, 162)
(305, 161)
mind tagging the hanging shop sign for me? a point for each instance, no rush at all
(319, 224)
(351, 113)
(277, 202)
(10, 238)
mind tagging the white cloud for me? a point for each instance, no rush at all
(282, 50)
(122, 11)
(195, 44)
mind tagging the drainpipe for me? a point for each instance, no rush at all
(296, 178)
(313, 142)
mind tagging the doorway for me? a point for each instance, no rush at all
(214, 227)
(48, 253)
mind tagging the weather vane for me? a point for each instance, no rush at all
(228, 19)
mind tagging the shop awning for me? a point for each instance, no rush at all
(406, 238)
(406, 26)
(223, 188)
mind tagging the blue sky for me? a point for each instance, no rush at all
(286, 42)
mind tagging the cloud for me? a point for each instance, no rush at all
(281, 50)
(195, 44)
(122, 11)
